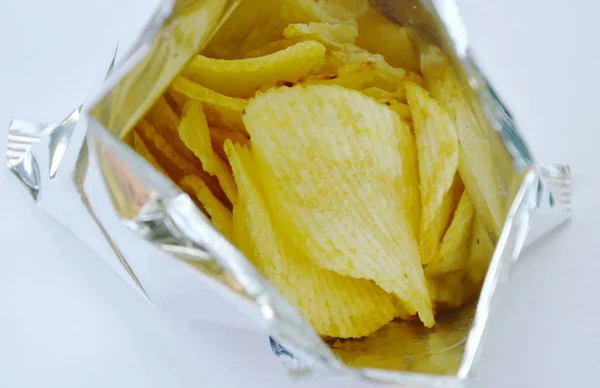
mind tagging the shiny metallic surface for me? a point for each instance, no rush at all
(189, 260)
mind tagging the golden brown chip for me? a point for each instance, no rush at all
(437, 147)
(219, 214)
(221, 110)
(243, 77)
(337, 306)
(174, 164)
(195, 133)
(333, 179)
(165, 120)
(142, 149)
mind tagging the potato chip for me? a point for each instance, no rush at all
(482, 250)
(165, 120)
(195, 133)
(409, 191)
(476, 165)
(327, 11)
(221, 110)
(271, 47)
(331, 35)
(454, 249)
(384, 95)
(400, 108)
(331, 162)
(241, 236)
(251, 25)
(243, 77)
(437, 147)
(220, 216)
(380, 35)
(219, 135)
(142, 149)
(335, 305)
(352, 76)
(174, 164)
(386, 77)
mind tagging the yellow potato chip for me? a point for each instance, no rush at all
(352, 76)
(482, 250)
(327, 11)
(337, 306)
(219, 214)
(476, 165)
(241, 236)
(142, 149)
(385, 95)
(221, 110)
(165, 120)
(454, 249)
(386, 77)
(333, 178)
(251, 25)
(437, 147)
(409, 191)
(271, 47)
(400, 108)
(331, 35)
(379, 35)
(174, 164)
(195, 133)
(243, 77)
(219, 135)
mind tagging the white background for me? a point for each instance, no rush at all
(66, 320)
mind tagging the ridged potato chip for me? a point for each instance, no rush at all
(174, 164)
(221, 110)
(243, 77)
(454, 249)
(333, 178)
(336, 36)
(219, 215)
(437, 147)
(194, 131)
(142, 149)
(476, 165)
(335, 305)
(379, 35)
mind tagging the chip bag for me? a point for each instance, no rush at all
(336, 174)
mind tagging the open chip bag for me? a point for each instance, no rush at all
(337, 174)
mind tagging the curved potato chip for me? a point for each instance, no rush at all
(454, 249)
(333, 178)
(142, 149)
(476, 165)
(409, 192)
(337, 306)
(220, 216)
(241, 236)
(219, 135)
(271, 47)
(386, 77)
(165, 120)
(243, 77)
(174, 164)
(437, 147)
(328, 11)
(221, 110)
(482, 250)
(195, 133)
(385, 95)
(379, 35)
(251, 25)
(400, 108)
(331, 35)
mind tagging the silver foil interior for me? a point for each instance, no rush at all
(164, 245)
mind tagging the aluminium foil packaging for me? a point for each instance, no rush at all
(83, 175)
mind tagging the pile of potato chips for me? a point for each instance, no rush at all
(306, 133)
